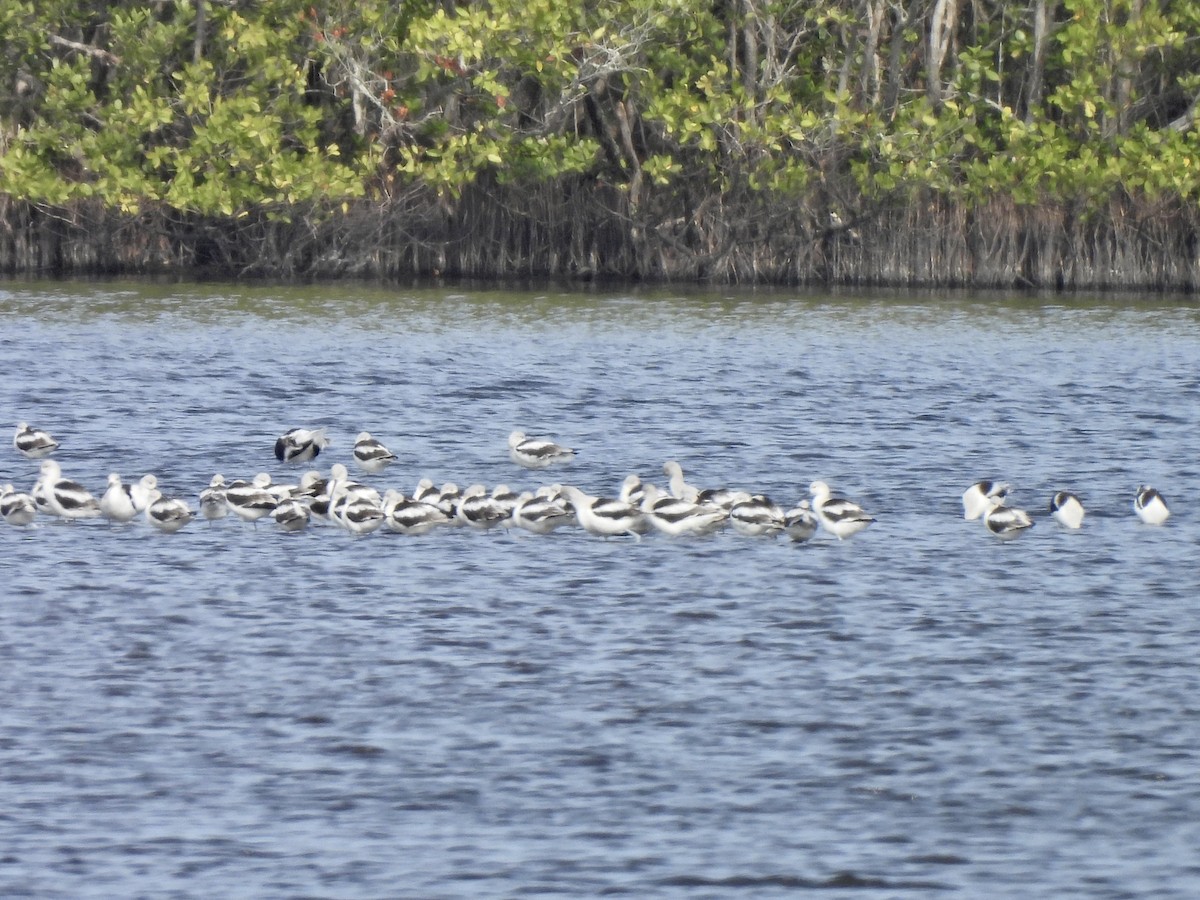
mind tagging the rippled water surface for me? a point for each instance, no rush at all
(921, 710)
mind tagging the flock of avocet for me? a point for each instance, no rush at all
(636, 509)
(987, 500)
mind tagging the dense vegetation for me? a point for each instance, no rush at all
(885, 141)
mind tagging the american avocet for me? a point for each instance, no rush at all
(505, 499)
(16, 508)
(370, 454)
(311, 484)
(300, 445)
(1066, 509)
(1150, 505)
(341, 487)
(554, 493)
(478, 509)
(633, 491)
(64, 498)
(250, 501)
(975, 498)
(605, 516)
(425, 491)
(358, 514)
(757, 516)
(675, 517)
(141, 490)
(117, 501)
(405, 515)
(722, 497)
(280, 491)
(837, 515)
(318, 507)
(541, 513)
(800, 522)
(33, 443)
(444, 498)
(212, 499)
(1005, 521)
(677, 485)
(536, 453)
(291, 515)
(167, 514)
(38, 493)
(448, 497)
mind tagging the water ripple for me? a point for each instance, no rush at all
(918, 709)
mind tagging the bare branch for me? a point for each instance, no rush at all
(94, 52)
(1185, 121)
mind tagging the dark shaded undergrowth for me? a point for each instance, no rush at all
(580, 232)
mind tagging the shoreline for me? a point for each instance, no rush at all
(505, 236)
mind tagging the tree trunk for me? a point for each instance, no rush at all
(1037, 61)
(942, 22)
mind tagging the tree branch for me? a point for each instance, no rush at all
(94, 52)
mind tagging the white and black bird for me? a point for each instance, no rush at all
(840, 517)
(250, 500)
(542, 513)
(633, 490)
(677, 485)
(319, 506)
(370, 454)
(33, 443)
(1067, 509)
(168, 514)
(723, 497)
(1150, 506)
(757, 516)
(280, 491)
(536, 453)
(405, 515)
(448, 497)
(800, 522)
(1005, 521)
(975, 499)
(65, 498)
(506, 500)
(299, 445)
(16, 508)
(605, 516)
(444, 498)
(312, 483)
(425, 491)
(290, 515)
(342, 488)
(677, 517)
(358, 514)
(142, 491)
(479, 509)
(117, 501)
(212, 499)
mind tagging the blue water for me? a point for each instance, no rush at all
(921, 710)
